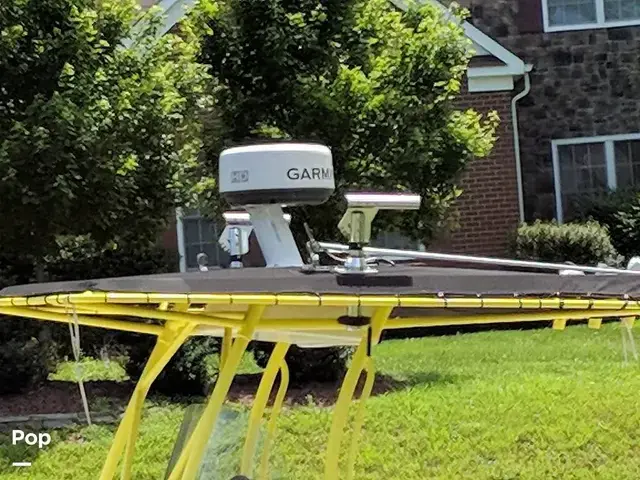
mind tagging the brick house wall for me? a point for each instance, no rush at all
(169, 238)
(487, 211)
(584, 83)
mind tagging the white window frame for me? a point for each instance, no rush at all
(609, 154)
(599, 23)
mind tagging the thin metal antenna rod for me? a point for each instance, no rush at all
(446, 257)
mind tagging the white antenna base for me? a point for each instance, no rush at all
(274, 236)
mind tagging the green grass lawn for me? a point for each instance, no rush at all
(495, 405)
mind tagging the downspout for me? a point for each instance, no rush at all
(516, 138)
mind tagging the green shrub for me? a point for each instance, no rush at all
(619, 211)
(26, 354)
(26, 347)
(23, 364)
(580, 243)
(308, 364)
(78, 258)
(185, 374)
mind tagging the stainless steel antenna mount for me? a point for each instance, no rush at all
(356, 224)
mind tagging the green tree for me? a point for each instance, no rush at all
(374, 83)
(97, 135)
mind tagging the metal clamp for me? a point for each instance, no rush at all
(356, 224)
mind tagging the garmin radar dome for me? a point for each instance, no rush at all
(264, 178)
(277, 173)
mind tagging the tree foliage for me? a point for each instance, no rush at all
(95, 137)
(374, 83)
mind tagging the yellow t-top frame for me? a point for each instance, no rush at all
(284, 319)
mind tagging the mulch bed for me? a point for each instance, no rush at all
(319, 393)
(64, 397)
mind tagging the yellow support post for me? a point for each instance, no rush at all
(357, 427)
(134, 425)
(273, 419)
(227, 341)
(560, 324)
(259, 405)
(169, 341)
(188, 463)
(340, 415)
(595, 323)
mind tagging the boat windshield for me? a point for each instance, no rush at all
(223, 456)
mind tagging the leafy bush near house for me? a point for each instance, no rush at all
(345, 74)
(81, 258)
(24, 363)
(94, 138)
(185, 374)
(308, 364)
(26, 354)
(580, 243)
(26, 349)
(619, 211)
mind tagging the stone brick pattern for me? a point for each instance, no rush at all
(584, 83)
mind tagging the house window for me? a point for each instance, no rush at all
(627, 157)
(583, 14)
(618, 10)
(586, 167)
(200, 235)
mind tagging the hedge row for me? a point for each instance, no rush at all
(581, 243)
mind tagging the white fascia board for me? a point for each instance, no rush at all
(498, 70)
(494, 48)
(172, 11)
(479, 50)
(502, 83)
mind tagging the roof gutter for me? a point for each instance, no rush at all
(516, 138)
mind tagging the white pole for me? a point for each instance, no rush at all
(445, 257)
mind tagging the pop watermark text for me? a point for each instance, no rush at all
(31, 439)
